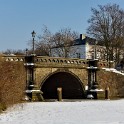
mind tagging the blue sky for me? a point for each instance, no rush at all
(18, 18)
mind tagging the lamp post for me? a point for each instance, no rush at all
(33, 36)
(26, 51)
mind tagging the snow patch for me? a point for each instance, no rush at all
(113, 70)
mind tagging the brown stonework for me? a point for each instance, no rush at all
(48, 67)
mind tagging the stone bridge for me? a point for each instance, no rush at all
(74, 76)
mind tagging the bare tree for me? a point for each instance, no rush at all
(43, 45)
(57, 44)
(15, 52)
(62, 42)
(107, 26)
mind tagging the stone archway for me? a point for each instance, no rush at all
(72, 87)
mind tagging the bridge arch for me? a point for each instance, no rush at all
(72, 87)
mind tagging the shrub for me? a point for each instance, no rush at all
(12, 82)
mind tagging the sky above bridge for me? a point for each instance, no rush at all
(18, 18)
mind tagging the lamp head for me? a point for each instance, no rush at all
(33, 33)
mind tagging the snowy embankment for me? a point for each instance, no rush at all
(80, 112)
(113, 70)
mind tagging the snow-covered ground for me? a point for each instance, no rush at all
(79, 112)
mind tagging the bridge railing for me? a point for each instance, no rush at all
(14, 58)
(45, 60)
(61, 61)
(105, 64)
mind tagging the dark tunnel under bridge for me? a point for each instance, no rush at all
(72, 87)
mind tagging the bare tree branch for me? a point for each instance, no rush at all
(107, 26)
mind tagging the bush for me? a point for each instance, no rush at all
(2, 107)
(12, 82)
(114, 81)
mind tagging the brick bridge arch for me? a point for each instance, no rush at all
(72, 87)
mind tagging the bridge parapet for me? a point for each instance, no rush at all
(61, 61)
(105, 64)
(14, 58)
(57, 61)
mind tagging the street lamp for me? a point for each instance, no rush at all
(26, 50)
(33, 36)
